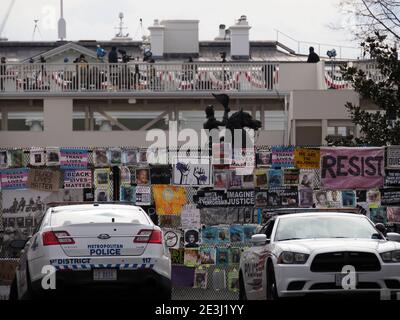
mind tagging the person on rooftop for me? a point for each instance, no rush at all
(113, 55)
(2, 72)
(313, 57)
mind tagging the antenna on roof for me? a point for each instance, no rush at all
(62, 24)
(120, 35)
(139, 29)
(36, 29)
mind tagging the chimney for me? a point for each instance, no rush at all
(240, 42)
(221, 33)
(157, 39)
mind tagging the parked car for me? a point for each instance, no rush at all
(105, 246)
(302, 253)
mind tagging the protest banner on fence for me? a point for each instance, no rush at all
(352, 168)
(169, 199)
(73, 159)
(212, 198)
(14, 179)
(241, 198)
(282, 157)
(44, 180)
(390, 197)
(306, 158)
(393, 157)
(392, 178)
(78, 179)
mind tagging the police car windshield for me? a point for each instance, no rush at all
(320, 227)
(68, 217)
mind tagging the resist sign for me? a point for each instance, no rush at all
(352, 168)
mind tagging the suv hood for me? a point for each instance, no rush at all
(335, 245)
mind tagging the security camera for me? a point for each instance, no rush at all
(331, 53)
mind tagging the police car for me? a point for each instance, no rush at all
(94, 246)
(318, 253)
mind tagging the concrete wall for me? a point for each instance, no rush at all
(99, 139)
(318, 104)
(301, 76)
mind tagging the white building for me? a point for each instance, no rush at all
(60, 103)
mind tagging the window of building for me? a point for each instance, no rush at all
(25, 121)
(340, 131)
(114, 120)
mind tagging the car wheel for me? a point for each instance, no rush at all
(29, 292)
(13, 290)
(242, 289)
(272, 291)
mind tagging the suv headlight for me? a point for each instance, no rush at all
(288, 257)
(391, 256)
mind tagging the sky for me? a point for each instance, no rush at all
(305, 20)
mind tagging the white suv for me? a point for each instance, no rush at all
(307, 253)
(95, 246)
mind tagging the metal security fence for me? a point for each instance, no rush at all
(202, 281)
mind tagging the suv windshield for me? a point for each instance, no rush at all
(320, 227)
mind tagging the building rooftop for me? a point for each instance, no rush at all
(22, 51)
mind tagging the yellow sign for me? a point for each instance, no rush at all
(169, 199)
(307, 158)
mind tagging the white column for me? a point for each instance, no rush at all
(294, 127)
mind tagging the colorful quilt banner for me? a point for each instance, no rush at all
(169, 199)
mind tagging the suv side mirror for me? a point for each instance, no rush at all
(259, 240)
(17, 244)
(391, 236)
(381, 228)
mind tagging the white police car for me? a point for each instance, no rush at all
(305, 253)
(100, 246)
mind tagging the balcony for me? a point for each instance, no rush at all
(146, 79)
(139, 78)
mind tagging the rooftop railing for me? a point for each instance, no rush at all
(138, 77)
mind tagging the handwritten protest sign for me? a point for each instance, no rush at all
(44, 180)
(352, 168)
(306, 158)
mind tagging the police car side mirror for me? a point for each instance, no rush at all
(259, 240)
(381, 228)
(17, 244)
(391, 236)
